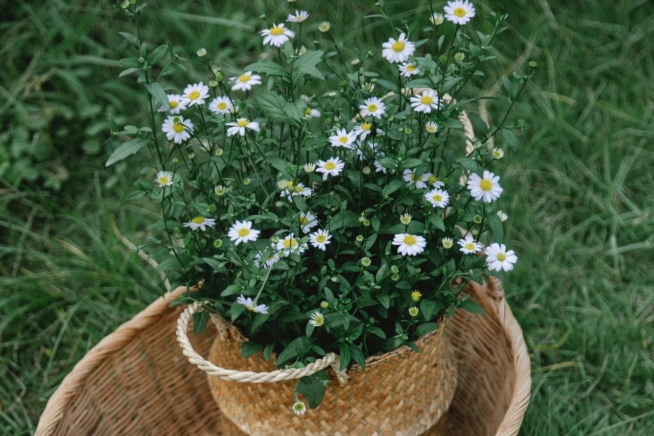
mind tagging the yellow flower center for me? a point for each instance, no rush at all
(366, 126)
(198, 220)
(321, 238)
(431, 129)
(243, 232)
(289, 184)
(289, 243)
(173, 104)
(437, 198)
(460, 12)
(221, 106)
(308, 111)
(178, 128)
(398, 46)
(243, 123)
(486, 185)
(411, 67)
(410, 240)
(470, 246)
(343, 139)
(164, 180)
(299, 188)
(304, 220)
(426, 100)
(413, 177)
(244, 78)
(276, 31)
(194, 95)
(432, 180)
(319, 320)
(501, 257)
(330, 165)
(251, 309)
(372, 108)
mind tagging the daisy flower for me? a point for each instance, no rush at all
(164, 178)
(317, 319)
(176, 104)
(398, 50)
(405, 219)
(245, 81)
(249, 305)
(468, 245)
(314, 113)
(293, 190)
(240, 125)
(411, 179)
(502, 215)
(431, 127)
(221, 105)
(459, 12)
(177, 129)
(486, 188)
(299, 408)
(433, 181)
(309, 168)
(290, 245)
(320, 239)
(363, 130)
(242, 232)
(447, 243)
(331, 167)
(409, 245)
(200, 222)
(298, 17)
(436, 19)
(195, 94)
(373, 107)
(270, 261)
(409, 69)
(438, 197)
(307, 221)
(498, 153)
(324, 27)
(343, 138)
(425, 102)
(498, 258)
(277, 35)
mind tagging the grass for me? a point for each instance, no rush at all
(578, 193)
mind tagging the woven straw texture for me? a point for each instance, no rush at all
(136, 381)
(400, 393)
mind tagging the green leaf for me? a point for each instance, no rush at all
(496, 226)
(468, 164)
(437, 222)
(425, 328)
(429, 309)
(311, 71)
(157, 54)
(511, 138)
(313, 387)
(200, 322)
(377, 332)
(419, 83)
(508, 85)
(391, 86)
(273, 106)
(343, 220)
(129, 71)
(357, 355)
(310, 58)
(248, 348)
(393, 186)
(473, 307)
(270, 68)
(345, 356)
(479, 124)
(296, 348)
(282, 166)
(384, 299)
(214, 264)
(231, 290)
(126, 149)
(388, 163)
(267, 351)
(411, 163)
(132, 39)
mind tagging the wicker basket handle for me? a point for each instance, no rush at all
(331, 359)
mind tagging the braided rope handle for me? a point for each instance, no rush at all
(331, 359)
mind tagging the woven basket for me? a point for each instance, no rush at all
(137, 382)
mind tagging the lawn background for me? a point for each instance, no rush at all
(579, 191)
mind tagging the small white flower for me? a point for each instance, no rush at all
(468, 245)
(298, 17)
(277, 35)
(245, 81)
(373, 107)
(220, 190)
(290, 245)
(436, 19)
(405, 219)
(320, 239)
(498, 153)
(425, 102)
(177, 129)
(270, 261)
(438, 197)
(293, 190)
(409, 69)
(459, 12)
(314, 113)
(411, 179)
(195, 94)
(307, 221)
(298, 407)
(164, 178)
(249, 305)
(409, 245)
(447, 243)
(324, 27)
(309, 168)
(221, 105)
(200, 222)
(432, 180)
(242, 232)
(201, 52)
(486, 188)
(498, 258)
(431, 127)
(379, 168)
(363, 130)
(343, 138)
(317, 319)
(502, 215)
(332, 167)
(175, 104)
(240, 125)
(398, 50)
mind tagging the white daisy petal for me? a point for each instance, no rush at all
(399, 50)
(408, 244)
(242, 232)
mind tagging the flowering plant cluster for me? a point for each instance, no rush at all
(346, 220)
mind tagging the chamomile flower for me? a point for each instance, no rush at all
(324, 27)
(459, 11)
(425, 102)
(246, 81)
(414, 311)
(195, 94)
(436, 19)
(498, 258)
(468, 245)
(221, 105)
(432, 180)
(298, 17)
(164, 178)
(373, 107)
(240, 125)
(268, 262)
(317, 319)
(175, 104)
(502, 215)
(202, 52)
(307, 221)
(431, 127)
(309, 168)
(293, 190)
(320, 239)
(411, 179)
(242, 232)
(486, 187)
(416, 295)
(249, 305)
(409, 69)
(363, 130)
(342, 138)
(399, 50)
(498, 153)
(277, 35)
(438, 197)
(290, 245)
(177, 129)
(299, 408)
(220, 190)
(331, 167)
(447, 243)
(405, 219)
(409, 245)
(200, 222)
(311, 112)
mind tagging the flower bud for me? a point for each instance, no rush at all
(324, 304)
(201, 52)
(359, 238)
(395, 269)
(324, 27)
(217, 243)
(366, 170)
(366, 261)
